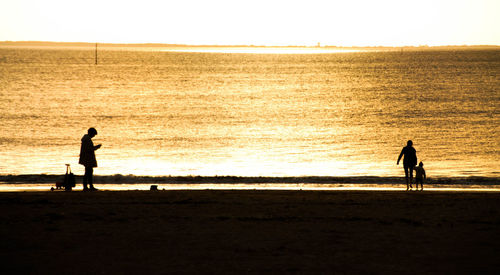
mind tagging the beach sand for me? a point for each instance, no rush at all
(231, 232)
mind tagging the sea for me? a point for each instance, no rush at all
(250, 113)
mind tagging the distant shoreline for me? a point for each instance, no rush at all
(161, 45)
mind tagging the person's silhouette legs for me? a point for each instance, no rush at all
(88, 179)
(408, 176)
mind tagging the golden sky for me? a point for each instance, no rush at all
(254, 22)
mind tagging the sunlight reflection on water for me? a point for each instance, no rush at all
(206, 114)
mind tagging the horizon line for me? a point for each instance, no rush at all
(148, 44)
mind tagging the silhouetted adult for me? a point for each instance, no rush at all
(87, 159)
(409, 162)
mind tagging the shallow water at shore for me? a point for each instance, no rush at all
(13, 183)
(260, 186)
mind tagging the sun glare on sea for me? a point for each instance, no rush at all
(263, 50)
(246, 166)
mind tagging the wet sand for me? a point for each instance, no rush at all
(228, 232)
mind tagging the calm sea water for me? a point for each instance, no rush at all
(184, 113)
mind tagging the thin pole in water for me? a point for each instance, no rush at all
(96, 53)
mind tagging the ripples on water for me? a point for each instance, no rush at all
(170, 113)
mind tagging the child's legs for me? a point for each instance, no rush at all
(419, 180)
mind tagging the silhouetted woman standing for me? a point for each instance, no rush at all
(87, 158)
(409, 162)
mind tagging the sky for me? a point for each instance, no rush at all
(254, 22)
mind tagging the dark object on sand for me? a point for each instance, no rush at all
(69, 179)
(154, 188)
(59, 185)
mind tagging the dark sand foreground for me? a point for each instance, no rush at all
(305, 232)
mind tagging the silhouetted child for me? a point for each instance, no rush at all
(420, 175)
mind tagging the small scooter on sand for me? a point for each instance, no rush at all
(68, 182)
